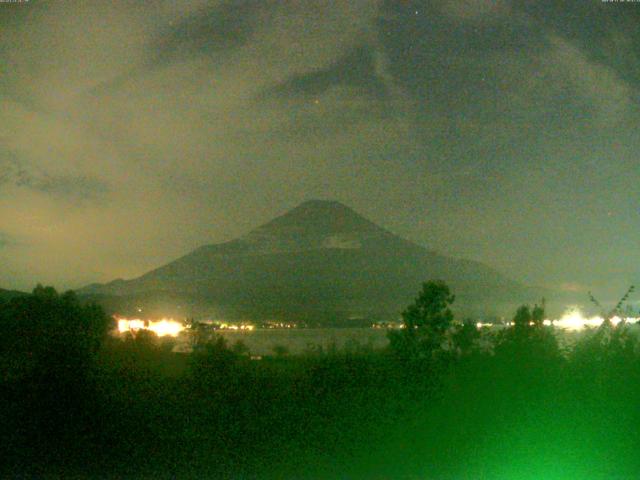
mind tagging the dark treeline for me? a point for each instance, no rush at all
(444, 401)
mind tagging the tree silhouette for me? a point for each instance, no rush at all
(425, 321)
(431, 308)
(528, 337)
(48, 359)
(47, 331)
(466, 336)
(522, 318)
(538, 313)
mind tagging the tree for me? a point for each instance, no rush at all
(46, 331)
(527, 317)
(528, 337)
(48, 359)
(538, 314)
(466, 336)
(431, 308)
(425, 321)
(522, 318)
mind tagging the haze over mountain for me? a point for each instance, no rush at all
(319, 262)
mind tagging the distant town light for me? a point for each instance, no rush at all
(575, 320)
(162, 328)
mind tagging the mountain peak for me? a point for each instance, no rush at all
(320, 216)
(326, 204)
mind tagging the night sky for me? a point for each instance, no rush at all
(503, 131)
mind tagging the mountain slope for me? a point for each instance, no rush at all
(320, 261)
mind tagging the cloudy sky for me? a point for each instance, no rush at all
(503, 131)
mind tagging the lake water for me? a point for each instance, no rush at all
(300, 340)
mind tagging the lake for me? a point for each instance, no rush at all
(300, 340)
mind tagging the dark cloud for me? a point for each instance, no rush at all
(210, 31)
(355, 70)
(69, 187)
(472, 70)
(72, 187)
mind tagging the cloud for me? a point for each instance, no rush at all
(72, 188)
(132, 132)
(356, 69)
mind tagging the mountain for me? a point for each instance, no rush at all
(320, 262)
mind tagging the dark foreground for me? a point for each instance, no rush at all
(79, 405)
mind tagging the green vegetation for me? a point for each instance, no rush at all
(445, 401)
